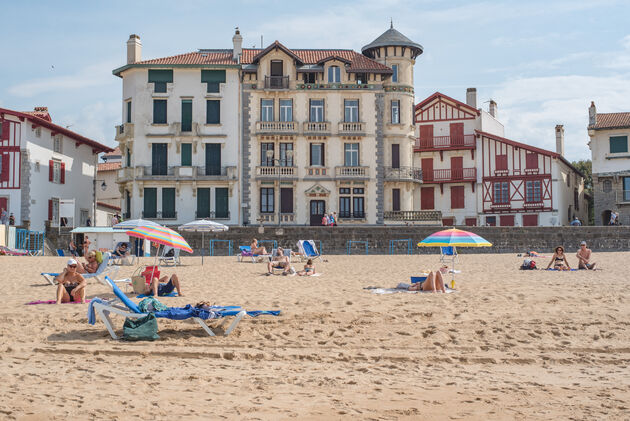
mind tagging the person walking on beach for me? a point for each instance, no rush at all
(584, 255)
(86, 245)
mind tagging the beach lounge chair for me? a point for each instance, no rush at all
(246, 253)
(130, 309)
(103, 270)
(308, 250)
(448, 255)
(61, 253)
(169, 257)
(128, 260)
(8, 251)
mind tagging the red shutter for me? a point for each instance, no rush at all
(63, 173)
(426, 136)
(5, 167)
(457, 168)
(427, 198)
(507, 220)
(5, 130)
(531, 161)
(427, 168)
(50, 209)
(457, 197)
(50, 170)
(457, 133)
(501, 162)
(448, 222)
(530, 220)
(471, 222)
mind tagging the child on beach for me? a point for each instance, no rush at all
(309, 269)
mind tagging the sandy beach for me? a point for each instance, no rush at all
(511, 344)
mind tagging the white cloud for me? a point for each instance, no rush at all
(95, 120)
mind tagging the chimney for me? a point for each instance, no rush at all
(592, 114)
(471, 97)
(134, 49)
(237, 41)
(493, 108)
(560, 139)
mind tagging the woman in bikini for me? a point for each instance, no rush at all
(434, 282)
(309, 269)
(559, 260)
(71, 285)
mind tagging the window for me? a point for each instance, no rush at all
(150, 202)
(221, 203)
(457, 197)
(531, 161)
(317, 154)
(310, 77)
(128, 158)
(160, 78)
(607, 186)
(491, 221)
(203, 203)
(168, 203)
(395, 200)
(351, 155)
(285, 160)
(286, 200)
(186, 115)
(351, 110)
(533, 192)
(316, 113)
(362, 78)
(266, 110)
(626, 189)
(618, 144)
(213, 78)
(576, 199)
(266, 200)
(395, 74)
(264, 160)
(568, 180)
(396, 112)
(213, 111)
(128, 106)
(57, 143)
(159, 111)
(186, 149)
(501, 162)
(56, 166)
(127, 214)
(501, 193)
(213, 159)
(286, 110)
(351, 202)
(334, 74)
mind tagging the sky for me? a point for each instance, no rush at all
(543, 62)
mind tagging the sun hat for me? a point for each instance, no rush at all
(72, 262)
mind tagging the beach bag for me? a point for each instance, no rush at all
(138, 282)
(528, 264)
(142, 329)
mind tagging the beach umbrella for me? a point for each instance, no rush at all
(135, 223)
(454, 238)
(160, 235)
(203, 226)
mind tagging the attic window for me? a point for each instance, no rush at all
(160, 78)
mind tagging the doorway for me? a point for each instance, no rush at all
(318, 209)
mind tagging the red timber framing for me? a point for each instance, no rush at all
(516, 166)
(10, 137)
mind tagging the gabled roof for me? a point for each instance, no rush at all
(115, 152)
(439, 95)
(96, 146)
(611, 121)
(41, 112)
(334, 57)
(275, 46)
(393, 38)
(530, 148)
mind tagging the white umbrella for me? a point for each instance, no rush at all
(135, 223)
(203, 226)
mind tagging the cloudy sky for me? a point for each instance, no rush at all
(541, 61)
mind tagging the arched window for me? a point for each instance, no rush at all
(334, 74)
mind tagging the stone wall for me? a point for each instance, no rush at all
(504, 239)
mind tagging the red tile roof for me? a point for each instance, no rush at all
(107, 205)
(115, 152)
(109, 166)
(199, 57)
(41, 112)
(611, 121)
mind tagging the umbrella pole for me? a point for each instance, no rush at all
(202, 244)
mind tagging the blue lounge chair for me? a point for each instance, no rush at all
(308, 250)
(246, 252)
(103, 270)
(61, 253)
(448, 254)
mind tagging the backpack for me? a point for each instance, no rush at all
(528, 264)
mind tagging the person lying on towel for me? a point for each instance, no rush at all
(159, 287)
(309, 269)
(434, 282)
(70, 284)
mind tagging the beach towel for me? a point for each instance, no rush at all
(560, 270)
(91, 313)
(402, 288)
(182, 313)
(172, 294)
(32, 303)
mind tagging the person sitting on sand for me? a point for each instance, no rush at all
(255, 249)
(160, 288)
(279, 261)
(70, 284)
(584, 255)
(434, 282)
(309, 269)
(559, 260)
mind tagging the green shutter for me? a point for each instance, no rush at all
(186, 154)
(213, 78)
(186, 115)
(213, 111)
(168, 202)
(221, 202)
(203, 203)
(213, 159)
(128, 111)
(165, 76)
(618, 144)
(159, 111)
(150, 202)
(159, 159)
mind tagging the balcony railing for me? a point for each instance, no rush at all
(351, 127)
(228, 172)
(450, 175)
(466, 141)
(316, 127)
(125, 174)
(276, 82)
(212, 215)
(183, 173)
(124, 131)
(159, 215)
(277, 127)
(403, 174)
(414, 216)
(352, 172)
(276, 171)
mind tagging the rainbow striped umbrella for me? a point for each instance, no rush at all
(161, 235)
(454, 237)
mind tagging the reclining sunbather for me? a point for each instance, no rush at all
(160, 288)
(71, 285)
(434, 282)
(279, 261)
(255, 249)
(559, 260)
(91, 264)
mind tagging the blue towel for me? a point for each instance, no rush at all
(50, 273)
(172, 294)
(91, 314)
(559, 270)
(253, 313)
(182, 313)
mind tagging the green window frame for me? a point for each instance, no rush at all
(221, 203)
(213, 111)
(618, 144)
(213, 78)
(168, 203)
(186, 115)
(203, 203)
(128, 111)
(159, 78)
(150, 202)
(186, 154)
(159, 111)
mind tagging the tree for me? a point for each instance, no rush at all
(585, 166)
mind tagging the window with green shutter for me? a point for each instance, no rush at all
(186, 115)
(150, 202)
(221, 203)
(159, 78)
(213, 159)
(618, 144)
(168, 203)
(159, 111)
(203, 203)
(128, 111)
(213, 111)
(213, 78)
(186, 149)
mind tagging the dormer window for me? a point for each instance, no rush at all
(362, 78)
(334, 74)
(213, 78)
(160, 78)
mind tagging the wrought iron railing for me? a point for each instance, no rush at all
(403, 174)
(276, 82)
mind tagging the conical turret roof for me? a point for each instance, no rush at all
(392, 38)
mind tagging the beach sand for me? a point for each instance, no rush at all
(511, 344)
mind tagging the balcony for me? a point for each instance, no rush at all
(534, 205)
(403, 174)
(423, 217)
(351, 215)
(212, 215)
(183, 130)
(277, 127)
(159, 215)
(352, 128)
(438, 143)
(455, 175)
(352, 172)
(125, 174)
(276, 172)
(316, 128)
(186, 173)
(124, 132)
(276, 82)
(208, 173)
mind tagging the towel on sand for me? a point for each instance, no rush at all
(172, 294)
(403, 288)
(32, 303)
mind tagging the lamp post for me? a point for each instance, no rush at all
(103, 188)
(288, 157)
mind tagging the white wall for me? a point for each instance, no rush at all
(603, 160)
(491, 125)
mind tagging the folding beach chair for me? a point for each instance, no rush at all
(245, 252)
(61, 253)
(308, 250)
(448, 254)
(103, 270)
(8, 251)
(169, 257)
